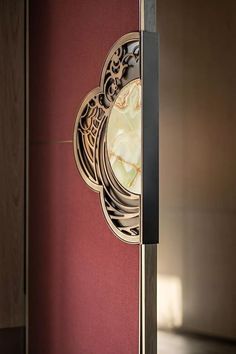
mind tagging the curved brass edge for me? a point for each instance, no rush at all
(128, 37)
(96, 182)
(121, 236)
(94, 186)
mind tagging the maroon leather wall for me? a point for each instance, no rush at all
(83, 281)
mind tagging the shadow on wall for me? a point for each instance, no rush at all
(197, 165)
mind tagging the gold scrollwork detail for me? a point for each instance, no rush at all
(120, 206)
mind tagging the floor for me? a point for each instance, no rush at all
(173, 343)
(12, 340)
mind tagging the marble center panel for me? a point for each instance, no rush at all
(124, 137)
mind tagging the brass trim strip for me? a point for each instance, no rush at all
(27, 176)
(148, 299)
(41, 142)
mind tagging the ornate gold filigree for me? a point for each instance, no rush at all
(121, 207)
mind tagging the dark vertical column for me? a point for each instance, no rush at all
(150, 138)
(150, 178)
(12, 174)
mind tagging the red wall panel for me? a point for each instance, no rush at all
(69, 41)
(83, 281)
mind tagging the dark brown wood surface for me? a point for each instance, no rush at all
(11, 163)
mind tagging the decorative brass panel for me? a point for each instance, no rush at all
(120, 206)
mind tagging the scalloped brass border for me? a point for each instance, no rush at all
(121, 208)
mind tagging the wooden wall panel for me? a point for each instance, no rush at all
(11, 163)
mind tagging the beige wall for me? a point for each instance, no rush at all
(11, 163)
(198, 159)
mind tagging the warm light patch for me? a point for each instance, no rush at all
(169, 301)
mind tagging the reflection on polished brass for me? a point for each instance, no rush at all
(121, 207)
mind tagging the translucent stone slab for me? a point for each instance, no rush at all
(124, 137)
